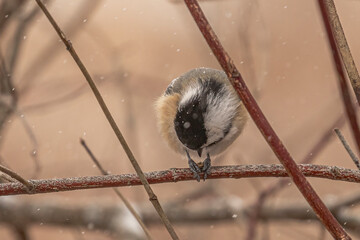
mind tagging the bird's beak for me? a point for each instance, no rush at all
(199, 151)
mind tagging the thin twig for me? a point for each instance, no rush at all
(28, 185)
(329, 16)
(93, 158)
(9, 97)
(71, 95)
(345, 53)
(178, 175)
(118, 193)
(7, 85)
(5, 178)
(347, 147)
(152, 197)
(8, 9)
(67, 97)
(18, 38)
(262, 123)
(34, 151)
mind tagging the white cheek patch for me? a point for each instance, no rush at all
(220, 110)
(220, 113)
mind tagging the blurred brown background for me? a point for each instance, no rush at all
(133, 49)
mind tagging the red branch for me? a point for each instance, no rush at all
(277, 186)
(264, 126)
(176, 175)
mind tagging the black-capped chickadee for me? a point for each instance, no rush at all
(200, 112)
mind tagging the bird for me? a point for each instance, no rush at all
(200, 113)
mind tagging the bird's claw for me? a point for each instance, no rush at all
(199, 168)
(206, 167)
(195, 169)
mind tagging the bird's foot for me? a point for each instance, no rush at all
(206, 167)
(195, 169)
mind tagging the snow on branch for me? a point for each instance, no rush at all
(176, 175)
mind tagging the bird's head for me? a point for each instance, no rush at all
(204, 114)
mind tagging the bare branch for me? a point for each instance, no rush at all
(5, 178)
(28, 185)
(32, 137)
(8, 99)
(262, 123)
(93, 158)
(17, 40)
(277, 186)
(334, 30)
(152, 197)
(7, 10)
(347, 147)
(177, 175)
(337, 35)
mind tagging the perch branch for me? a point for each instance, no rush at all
(262, 123)
(152, 197)
(177, 175)
(117, 192)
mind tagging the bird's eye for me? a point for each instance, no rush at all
(195, 116)
(187, 125)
